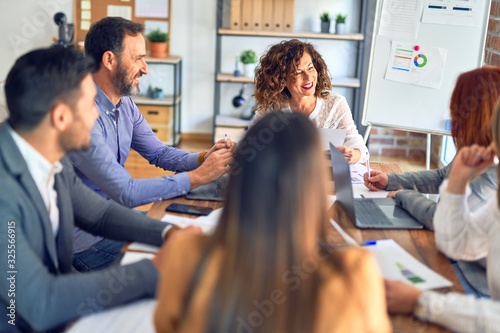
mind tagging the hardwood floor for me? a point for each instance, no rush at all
(140, 168)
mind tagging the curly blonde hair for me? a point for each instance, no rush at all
(271, 73)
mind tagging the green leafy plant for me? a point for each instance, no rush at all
(325, 17)
(340, 18)
(157, 36)
(154, 93)
(248, 57)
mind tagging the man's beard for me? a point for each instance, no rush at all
(121, 84)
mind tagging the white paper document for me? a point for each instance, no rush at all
(397, 264)
(416, 64)
(357, 173)
(150, 25)
(131, 318)
(151, 8)
(454, 12)
(120, 11)
(206, 223)
(131, 257)
(400, 18)
(335, 136)
(361, 191)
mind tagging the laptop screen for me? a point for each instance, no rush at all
(342, 181)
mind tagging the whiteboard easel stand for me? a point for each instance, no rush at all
(427, 149)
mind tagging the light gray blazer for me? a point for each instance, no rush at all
(44, 297)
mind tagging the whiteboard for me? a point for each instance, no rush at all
(416, 108)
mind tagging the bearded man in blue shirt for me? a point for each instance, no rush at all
(119, 48)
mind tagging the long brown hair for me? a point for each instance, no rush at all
(277, 63)
(273, 218)
(472, 104)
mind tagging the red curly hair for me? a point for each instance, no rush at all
(280, 60)
(472, 105)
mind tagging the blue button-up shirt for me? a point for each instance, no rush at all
(118, 129)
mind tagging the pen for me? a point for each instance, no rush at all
(370, 242)
(368, 164)
(225, 140)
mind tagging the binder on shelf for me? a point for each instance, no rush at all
(289, 15)
(246, 15)
(235, 17)
(257, 14)
(267, 15)
(278, 15)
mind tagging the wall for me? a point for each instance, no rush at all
(24, 27)
(492, 51)
(192, 37)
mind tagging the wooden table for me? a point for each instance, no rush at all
(419, 243)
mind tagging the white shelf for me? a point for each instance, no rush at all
(228, 121)
(168, 60)
(349, 82)
(292, 34)
(167, 100)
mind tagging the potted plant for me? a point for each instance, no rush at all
(248, 58)
(155, 93)
(157, 43)
(326, 19)
(340, 24)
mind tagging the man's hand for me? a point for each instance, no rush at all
(401, 297)
(221, 144)
(218, 163)
(352, 155)
(377, 181)
(173, 233)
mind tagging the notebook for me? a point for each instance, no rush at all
(367, 213)
(335, 136)
(214, 191)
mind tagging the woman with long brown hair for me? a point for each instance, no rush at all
(267, 267)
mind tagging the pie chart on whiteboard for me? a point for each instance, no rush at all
(420, 60)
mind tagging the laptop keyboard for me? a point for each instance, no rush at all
(220, 189)
(367, 210)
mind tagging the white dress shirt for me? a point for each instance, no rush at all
(461, 234)
(43, 173)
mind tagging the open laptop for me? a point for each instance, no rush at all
(335, 136)
(214, 191)
(367, 213)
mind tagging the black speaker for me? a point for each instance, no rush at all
(239, 99)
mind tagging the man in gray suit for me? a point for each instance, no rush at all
(50, 96)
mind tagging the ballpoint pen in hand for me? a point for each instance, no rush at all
(225, 140)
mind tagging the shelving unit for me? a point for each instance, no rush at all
(224, 123)
(164, 115)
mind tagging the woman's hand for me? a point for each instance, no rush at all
(469, 163)
(401, 297)
(352, 155)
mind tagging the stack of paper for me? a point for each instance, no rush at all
(131, 318)
(397, 264)
(206, 223)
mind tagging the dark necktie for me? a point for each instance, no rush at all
(64, 241)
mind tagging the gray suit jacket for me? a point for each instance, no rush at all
(40, 291)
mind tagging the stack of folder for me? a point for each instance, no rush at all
(266, 15)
